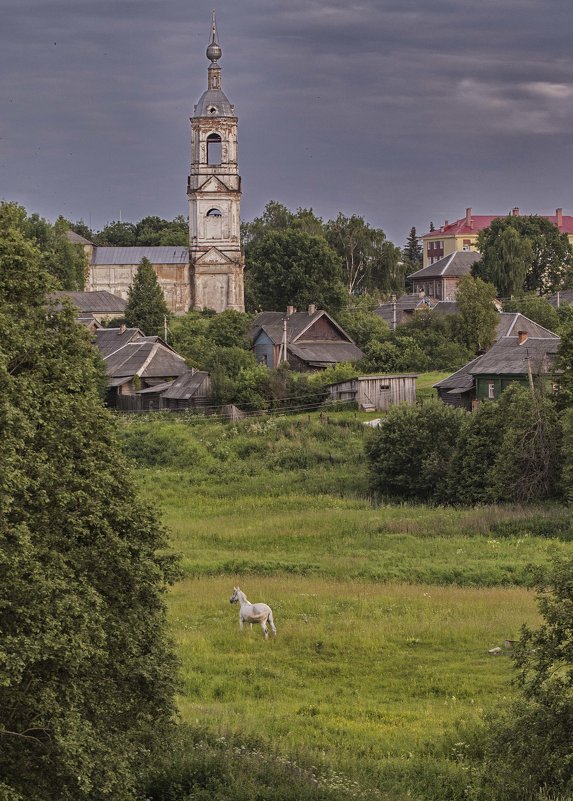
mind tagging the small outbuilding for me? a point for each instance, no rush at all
(375, 392)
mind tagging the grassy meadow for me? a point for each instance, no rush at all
(380, 671)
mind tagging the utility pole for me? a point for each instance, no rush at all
(283, 348)
(393, 312)
(165, 327)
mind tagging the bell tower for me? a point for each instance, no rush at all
(214, 189)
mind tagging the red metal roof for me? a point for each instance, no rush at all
(481, 221)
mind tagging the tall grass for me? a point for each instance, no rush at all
(385, 615)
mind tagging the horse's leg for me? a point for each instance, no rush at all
(264, 628)
(271, 624)
(240, 623)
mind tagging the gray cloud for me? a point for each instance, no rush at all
(401, 110)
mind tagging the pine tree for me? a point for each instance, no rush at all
(146, 307)
(87, 676)
(412, 252)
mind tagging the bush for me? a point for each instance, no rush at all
(409, 454)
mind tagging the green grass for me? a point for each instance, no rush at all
(425, 382)
(384, 615)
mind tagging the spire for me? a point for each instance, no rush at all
(214, 51)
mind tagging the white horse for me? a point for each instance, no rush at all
(253, 613)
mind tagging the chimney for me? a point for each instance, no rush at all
(515, 211)
(445, 223)
(522, 337)
(311, 309)
(559, 217)
(469, 220)
(290, 310)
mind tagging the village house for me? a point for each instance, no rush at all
(462, 234)
(310, 340)
(440, 279)
(523, 351)
(134, 362)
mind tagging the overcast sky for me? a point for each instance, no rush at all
(404, 111)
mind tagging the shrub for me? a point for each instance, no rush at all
(410, 453)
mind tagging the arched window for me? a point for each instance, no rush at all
(214, 213)
(213, 149)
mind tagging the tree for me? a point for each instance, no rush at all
(291, 267)
(363, 326)
(536, 308)
(63, 260)
(528, 749)
(524, 254)
(146, 307)
(564, 365)
(87, 676)
(359, 247)
(527, 465)
(477, 318)
(412, 252)
(117, 234)
(409, 454)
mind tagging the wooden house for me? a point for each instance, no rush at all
(440, 280)
(310, 340)
(375, 392)
(523, 350)
(134, 362)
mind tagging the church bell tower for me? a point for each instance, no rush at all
(214, 189)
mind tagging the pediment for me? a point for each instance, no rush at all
(213, 256)
(213, 184)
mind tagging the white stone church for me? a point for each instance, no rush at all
(209, 273)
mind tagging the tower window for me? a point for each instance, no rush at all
(214, 213)
(213, 149)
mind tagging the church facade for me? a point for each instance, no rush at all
(209, 273)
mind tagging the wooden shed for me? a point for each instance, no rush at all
(375, 392)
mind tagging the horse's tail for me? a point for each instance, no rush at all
(271, 622)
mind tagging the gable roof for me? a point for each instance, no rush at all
(109, 340)
(457, 264)
(145, 358)
(297, 324)
(506, 356)
(162, 254)
(99, 302)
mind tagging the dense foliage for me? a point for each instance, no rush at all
(507, 450)
(146, 308)
(86, 674)
(524, 254)
(65, 262)
(150, 230)
(349, 253)
(528, 750)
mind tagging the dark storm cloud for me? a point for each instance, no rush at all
(402, 110)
